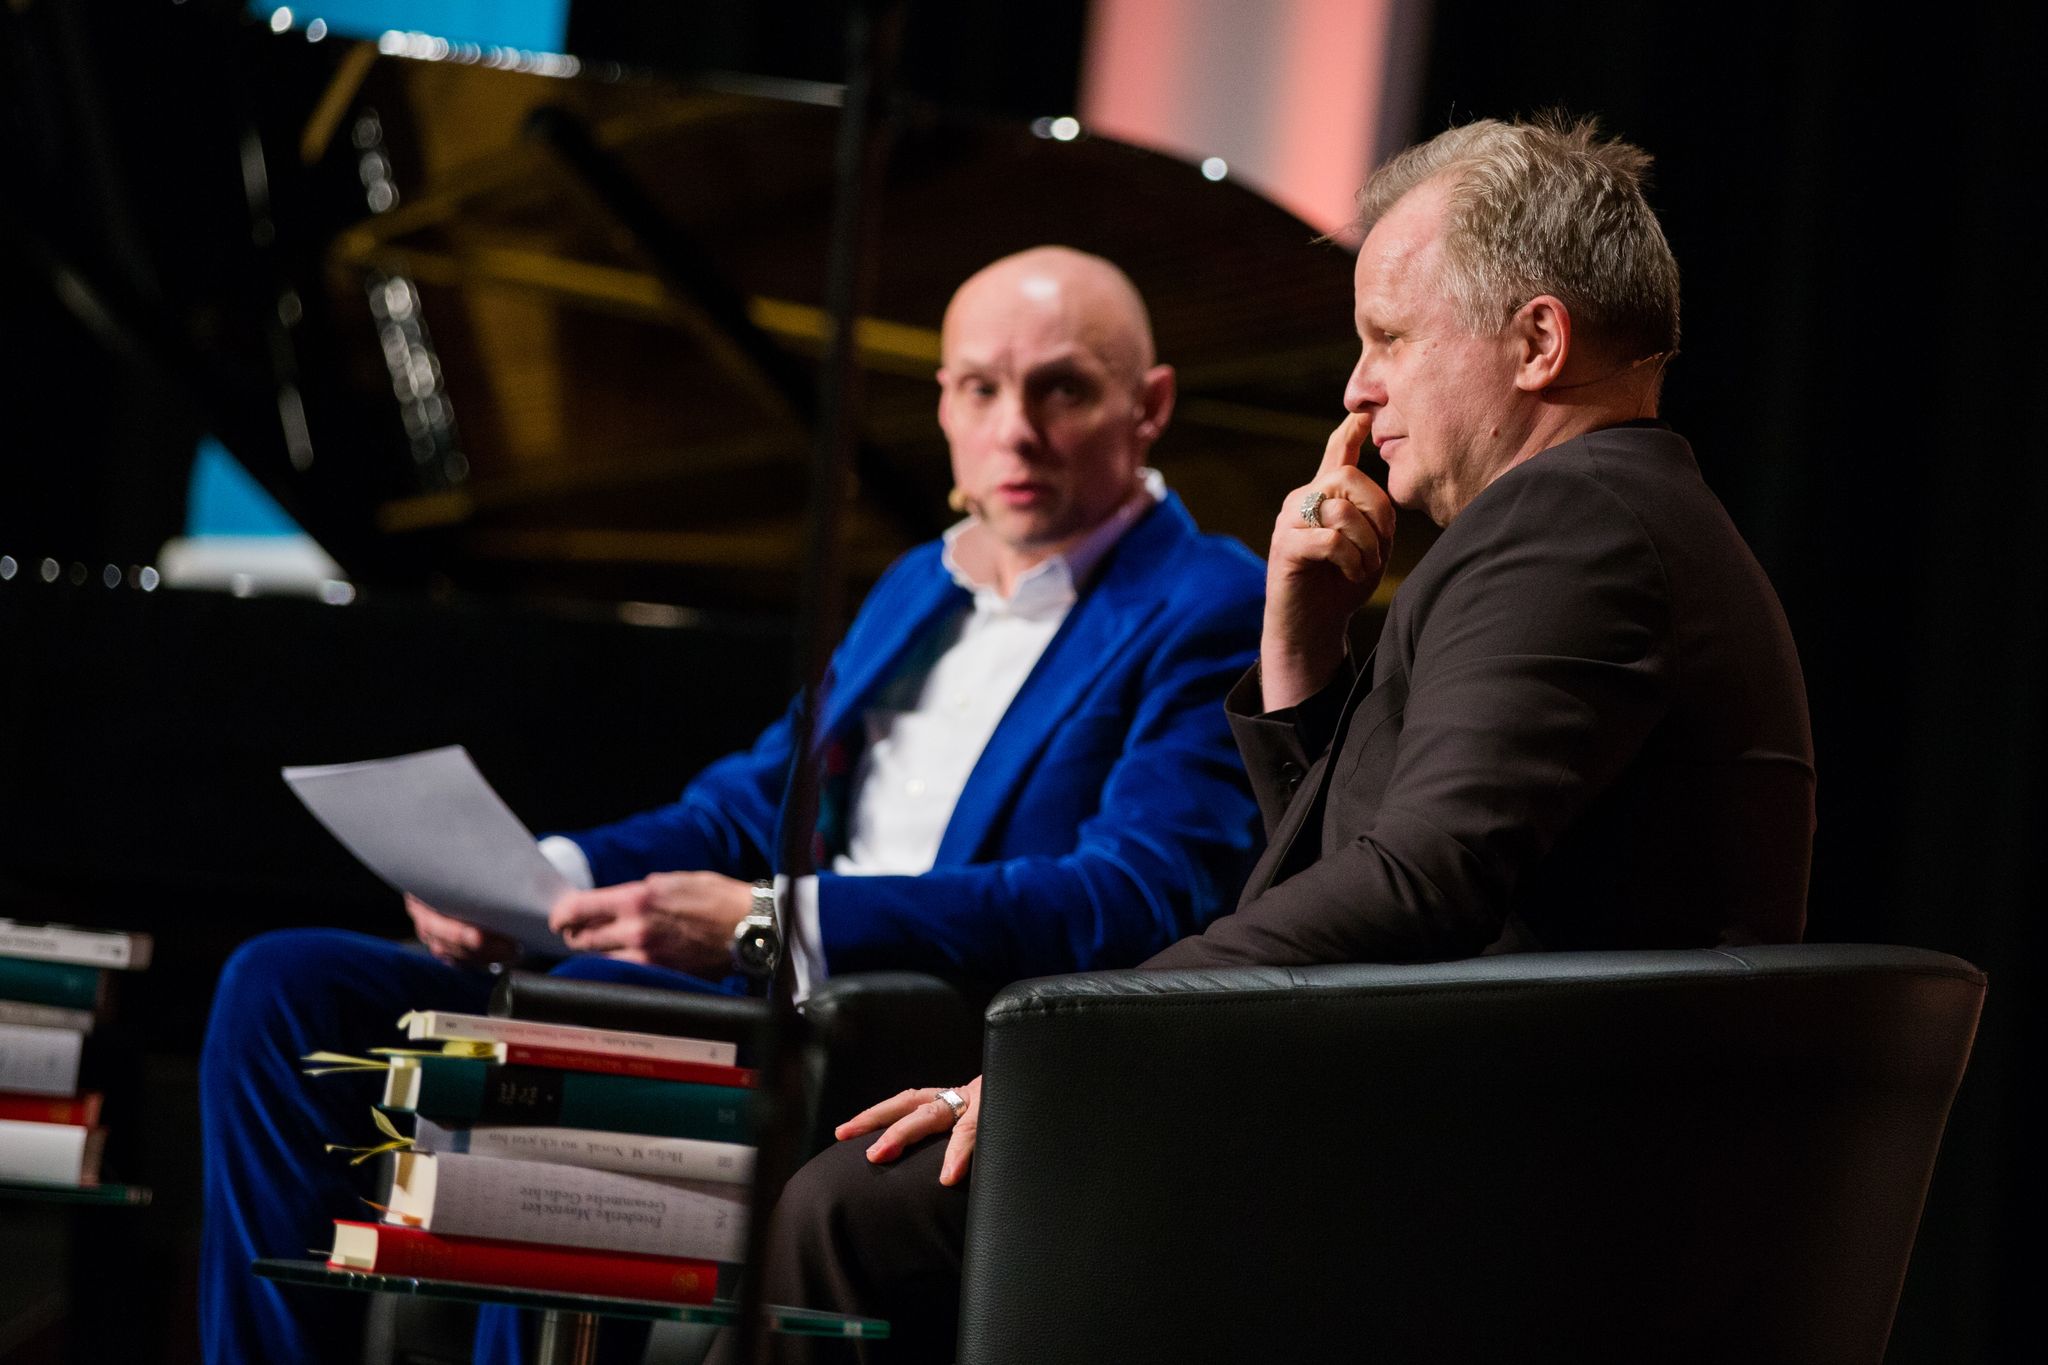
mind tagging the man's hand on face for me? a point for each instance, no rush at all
(1318, 576)
(683, 920)
(457, 942)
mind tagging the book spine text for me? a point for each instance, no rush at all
(534, 1201)
(469, 1090)
(627, 1153)
(63, 943)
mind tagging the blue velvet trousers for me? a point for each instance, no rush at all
(271, 1187)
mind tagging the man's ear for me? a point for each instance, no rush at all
(1541, 334)
(1155, 402)
(945, 377)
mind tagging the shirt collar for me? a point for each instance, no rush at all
(1053, 583)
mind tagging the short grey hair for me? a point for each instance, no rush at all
(1546, 206)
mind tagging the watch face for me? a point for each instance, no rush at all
(754, 949)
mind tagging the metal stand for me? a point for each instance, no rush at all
(874, 37)
(567, 1338)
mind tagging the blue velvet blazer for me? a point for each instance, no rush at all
(1108, 816)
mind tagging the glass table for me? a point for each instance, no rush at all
(569, 1322)
(105, 1196)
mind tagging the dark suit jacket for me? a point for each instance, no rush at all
(1584, 726)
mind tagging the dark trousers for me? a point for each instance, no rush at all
(270, 1187)
(874, 1241)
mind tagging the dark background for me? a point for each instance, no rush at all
(1860, 377)
(1862, 320)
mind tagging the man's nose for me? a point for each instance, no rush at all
(1016, 428)
(1363, 392)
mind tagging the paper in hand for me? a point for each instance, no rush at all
(430, 825)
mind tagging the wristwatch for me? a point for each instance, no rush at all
(755, 944)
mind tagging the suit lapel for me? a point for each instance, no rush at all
(1098, 628)
(878, 661)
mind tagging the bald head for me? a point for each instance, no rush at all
(1085, 296)
(1050, 398)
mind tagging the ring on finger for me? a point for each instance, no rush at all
(953, 1100)
(1311, 507)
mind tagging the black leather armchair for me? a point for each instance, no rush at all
(1706, 1155)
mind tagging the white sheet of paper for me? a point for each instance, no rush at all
(429, 824)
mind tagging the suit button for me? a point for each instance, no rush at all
(1291, 775)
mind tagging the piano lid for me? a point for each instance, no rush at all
(557, 335)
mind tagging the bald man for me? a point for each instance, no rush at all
(1028, 771)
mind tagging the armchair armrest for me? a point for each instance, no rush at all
(639, 1009)
(875, 1033)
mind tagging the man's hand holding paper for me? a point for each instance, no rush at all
(429, 825)
(457, 942)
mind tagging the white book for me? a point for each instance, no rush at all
(726, 1163)
(45, 1016)
(427, 1026)
(539, 1201)
(39, 1061)
(60, 1153)
(63, 943)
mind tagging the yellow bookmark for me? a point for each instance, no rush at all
(384, 1126)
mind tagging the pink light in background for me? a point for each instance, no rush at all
(1133, 67)
(1288, 92)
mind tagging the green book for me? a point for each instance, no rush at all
(71, 985)
(452, 1090)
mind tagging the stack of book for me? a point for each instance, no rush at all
(53, 992)
(546, 1156)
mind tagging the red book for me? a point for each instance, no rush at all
(83, 1110)
(619, 1064)
(386, 1249)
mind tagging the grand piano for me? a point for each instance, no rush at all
(529, 343)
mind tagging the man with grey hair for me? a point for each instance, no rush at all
(1584, 725)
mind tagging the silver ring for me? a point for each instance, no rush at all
(1311, 505)
(954, 1102)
